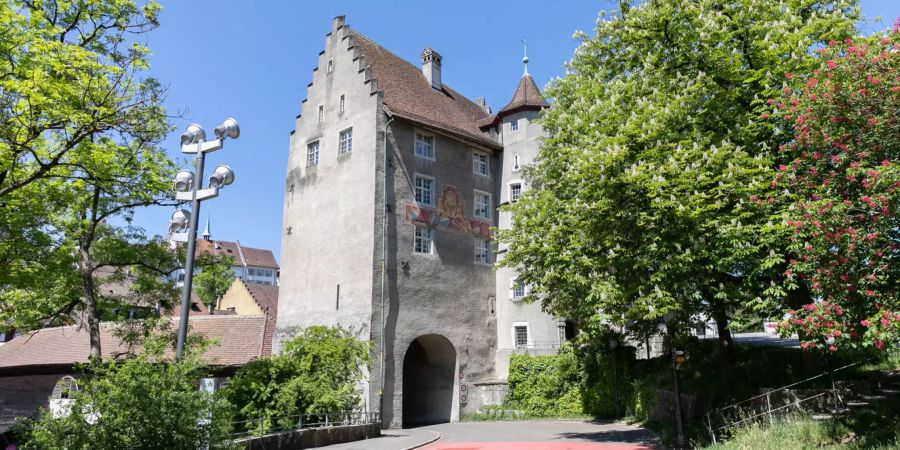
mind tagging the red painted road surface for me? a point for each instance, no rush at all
(532, 446)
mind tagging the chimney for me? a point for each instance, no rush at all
(431, 67)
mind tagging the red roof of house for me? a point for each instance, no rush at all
(240, 339)
(242, 255)
(408, 94)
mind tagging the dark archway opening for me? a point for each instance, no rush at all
(428, 374)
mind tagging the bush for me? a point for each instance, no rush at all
(144, 402)
(545, 386)
(605, 373)
(318, 372)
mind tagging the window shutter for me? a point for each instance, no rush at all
(512, 288)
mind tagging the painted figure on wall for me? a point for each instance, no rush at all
(452, 210)
(450, 214)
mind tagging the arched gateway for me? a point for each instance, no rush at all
(428, 370)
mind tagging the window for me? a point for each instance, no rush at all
(482, 205)
(515, 192)
(483, 251)
(424, 145)
(515, 162)
(480, 164)
(518, 289)
(423, 241)
(330, 66)
(345, 141)
(514, 125)
(321, 113)
(424, 190)
(312, 154)
(341, 109)
(520, 332)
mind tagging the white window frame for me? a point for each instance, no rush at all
(514, 125)
(514, 286)
(479, 250)
(510, 190)
(528, 339)
(433, 190)
(341, 150)
(423, 234)
(489, 205)
(310, 160)
(341, 106)
(481, 163)
(416, 136)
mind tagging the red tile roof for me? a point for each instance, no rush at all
(266, 296)
(240, 339)
(527, 97)
(242, 255)
(408, 94)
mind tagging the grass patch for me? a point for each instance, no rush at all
(805, 433)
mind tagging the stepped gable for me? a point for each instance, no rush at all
(408, 94)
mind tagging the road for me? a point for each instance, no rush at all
(513, 435)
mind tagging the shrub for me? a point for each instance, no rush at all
(545, 386)
(318, 372)
(144, 402)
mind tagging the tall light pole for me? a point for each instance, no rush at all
(183, 227)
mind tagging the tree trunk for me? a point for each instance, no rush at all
(90, 302)
(726, 340)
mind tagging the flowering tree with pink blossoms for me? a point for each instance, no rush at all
(839, 184)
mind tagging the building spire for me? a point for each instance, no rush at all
(206, 234)
(525, 58)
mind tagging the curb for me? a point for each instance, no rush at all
(437, 436)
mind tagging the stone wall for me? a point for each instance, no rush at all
(311, 437)
(23, 395)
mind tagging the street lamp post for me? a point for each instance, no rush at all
(613, 344)
(183, 227)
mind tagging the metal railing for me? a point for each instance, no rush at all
(761, 407)
(264, 425)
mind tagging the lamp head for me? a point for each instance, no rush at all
(180, 219)
(184, 180)
(221, 177)
(228, 129)
(193, 134)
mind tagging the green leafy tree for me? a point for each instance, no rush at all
(639, 203)
(214, 280)
(317, 372)
(78, 153)
(841, 174)
(146, 401)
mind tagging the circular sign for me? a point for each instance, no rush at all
(463, 388)
(463, 398)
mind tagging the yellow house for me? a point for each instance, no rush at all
(250, 299)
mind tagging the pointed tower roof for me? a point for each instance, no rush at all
(527, 96)
(206, 234)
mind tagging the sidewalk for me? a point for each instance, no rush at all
(391, 440)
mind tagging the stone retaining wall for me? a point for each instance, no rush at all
(311, 437)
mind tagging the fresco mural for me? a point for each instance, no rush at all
(450, 214)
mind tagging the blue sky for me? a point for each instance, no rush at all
(252, 62)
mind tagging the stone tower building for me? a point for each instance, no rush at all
(392, 189)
